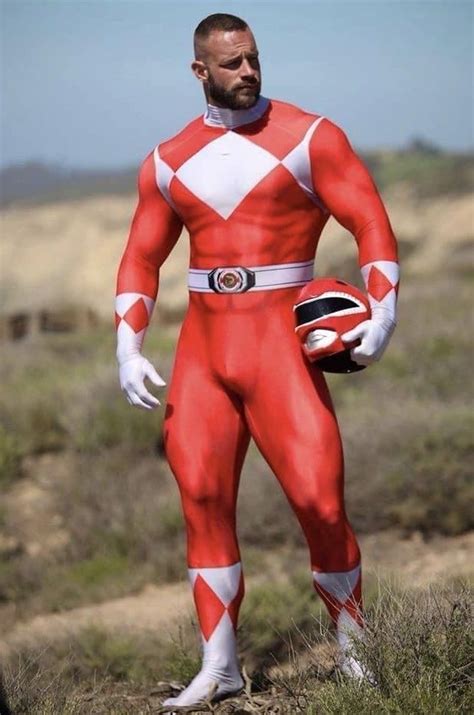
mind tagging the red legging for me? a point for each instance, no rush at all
(240, 372)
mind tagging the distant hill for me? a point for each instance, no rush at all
(429, 171)
(45, 182)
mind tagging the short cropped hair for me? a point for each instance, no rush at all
(220, 21)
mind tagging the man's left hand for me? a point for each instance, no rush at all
(373, 337)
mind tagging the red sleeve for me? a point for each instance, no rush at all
(344, 184)
(154, 231)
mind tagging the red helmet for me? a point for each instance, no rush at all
(327, 308)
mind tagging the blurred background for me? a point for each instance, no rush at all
(95, 612)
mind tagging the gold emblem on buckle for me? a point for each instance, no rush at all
(231, 279)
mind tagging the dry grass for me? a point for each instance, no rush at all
(419, 651)
(418, 648)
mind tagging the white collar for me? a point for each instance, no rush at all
(232, 118)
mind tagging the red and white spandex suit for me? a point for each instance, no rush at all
(254, 188)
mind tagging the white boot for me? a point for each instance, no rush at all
(347, 631)
(218, 593)
(340, 591)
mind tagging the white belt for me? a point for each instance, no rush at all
(238, 279)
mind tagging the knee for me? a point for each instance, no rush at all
(205, 509)
(317, 512)
(200, 493)
(200, 485)
(331, 515)
(203, 499)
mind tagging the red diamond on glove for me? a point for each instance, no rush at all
(378, 284)
(137, 316)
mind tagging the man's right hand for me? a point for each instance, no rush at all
(132, 381)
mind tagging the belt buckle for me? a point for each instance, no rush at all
(231, 279)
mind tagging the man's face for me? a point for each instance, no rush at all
(230, 69)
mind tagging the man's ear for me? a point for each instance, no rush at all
(200, 70)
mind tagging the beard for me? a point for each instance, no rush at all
(235, 98)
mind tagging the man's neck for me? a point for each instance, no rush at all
(232, 118)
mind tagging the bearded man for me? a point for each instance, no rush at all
(254, 181)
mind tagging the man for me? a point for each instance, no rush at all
(254, 181)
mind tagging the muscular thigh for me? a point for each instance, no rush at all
(291, 417)
(205, 432)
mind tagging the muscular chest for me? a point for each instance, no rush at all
(232, 172)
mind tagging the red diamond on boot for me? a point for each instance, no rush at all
(208, 605)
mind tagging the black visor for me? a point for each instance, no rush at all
(319, 307)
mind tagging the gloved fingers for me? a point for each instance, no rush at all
(132, 376)
(360, 331)
(367, 352)
(360, 358)
(147, 397)
(373, 341)
(136, 401)
(364, 353)
(153, 376)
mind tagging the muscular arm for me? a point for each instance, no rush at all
(346, 187)
(154, 231)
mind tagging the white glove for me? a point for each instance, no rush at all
(374, 338)
(132, 374)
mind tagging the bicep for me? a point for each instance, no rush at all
(155, 225)
(154, 230)
(343, 182)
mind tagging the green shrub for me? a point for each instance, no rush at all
(427, 173)
(37, 424)
(418, 648)
(270, 612)
(181, 657)
(120, 657)
(30, 687)
(81, 675)
(403, 472)
(139, 658)
(10, 457)
(91, 580)
(432, 487)
(124, 529)
(72, 397)
(111, 422)
(123, 504)
(98, 569)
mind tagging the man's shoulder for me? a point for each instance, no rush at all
(286, 112)
(185, 134)
(291, 115)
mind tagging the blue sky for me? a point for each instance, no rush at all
(97, 83)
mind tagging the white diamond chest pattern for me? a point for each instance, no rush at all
(225, 171)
